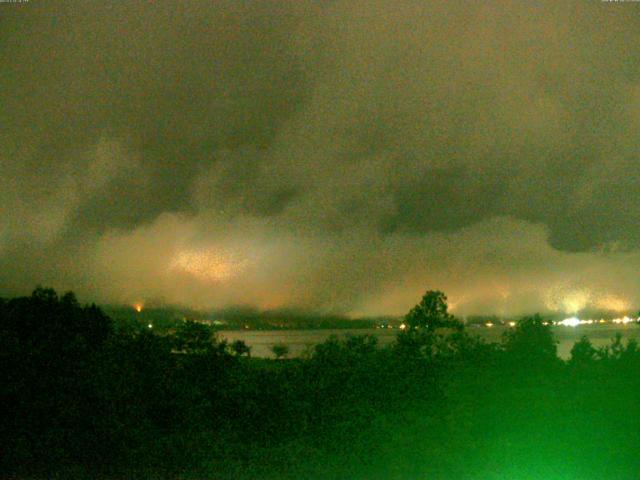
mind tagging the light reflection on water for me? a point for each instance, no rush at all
(301, 341)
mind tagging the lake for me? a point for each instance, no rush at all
(300, 341)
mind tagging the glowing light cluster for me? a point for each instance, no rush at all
(570, 322)
(623, 320)
(575, 321)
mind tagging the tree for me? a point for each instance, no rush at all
(618, 351)
(583, 352)
(193, 337)
(361, 344)
(45, 322)
(280, 350)
(423, 334)
(531, 341)
(240, 348)
(431, 313)
(44, 295)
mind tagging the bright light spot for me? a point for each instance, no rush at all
(138, 307)
(512, 324)
(570, 322)
(150, 326)
(403, 326)
(489, 324)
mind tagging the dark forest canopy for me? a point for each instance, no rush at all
(86, 399)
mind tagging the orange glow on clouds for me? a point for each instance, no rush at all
(207, 264)
(613, 303)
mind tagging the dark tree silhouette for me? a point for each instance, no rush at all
(194, 337)
(46, 323)
(426, 326)
(431, 313)
(583, 352)
(81, 402)
(361, 344)
(280, 350)
(240, 348)
(531, 341)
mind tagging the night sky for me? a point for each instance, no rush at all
(333, 156)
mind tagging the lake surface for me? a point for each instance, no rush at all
(301, 341)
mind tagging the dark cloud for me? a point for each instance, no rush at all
(341, 156)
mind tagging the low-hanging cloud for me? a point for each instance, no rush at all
(336, 156)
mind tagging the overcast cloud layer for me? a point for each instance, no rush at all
(340, 156)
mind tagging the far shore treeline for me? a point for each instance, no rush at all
(239, 318)
(166, 318)
(92, 394)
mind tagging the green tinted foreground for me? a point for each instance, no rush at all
(87, 399)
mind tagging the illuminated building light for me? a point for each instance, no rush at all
(402, 326)
(489, 324)
(570, 322)
(512, 324)
(623, 320)
(138, 307)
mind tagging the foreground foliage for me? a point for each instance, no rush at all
(84, 399)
